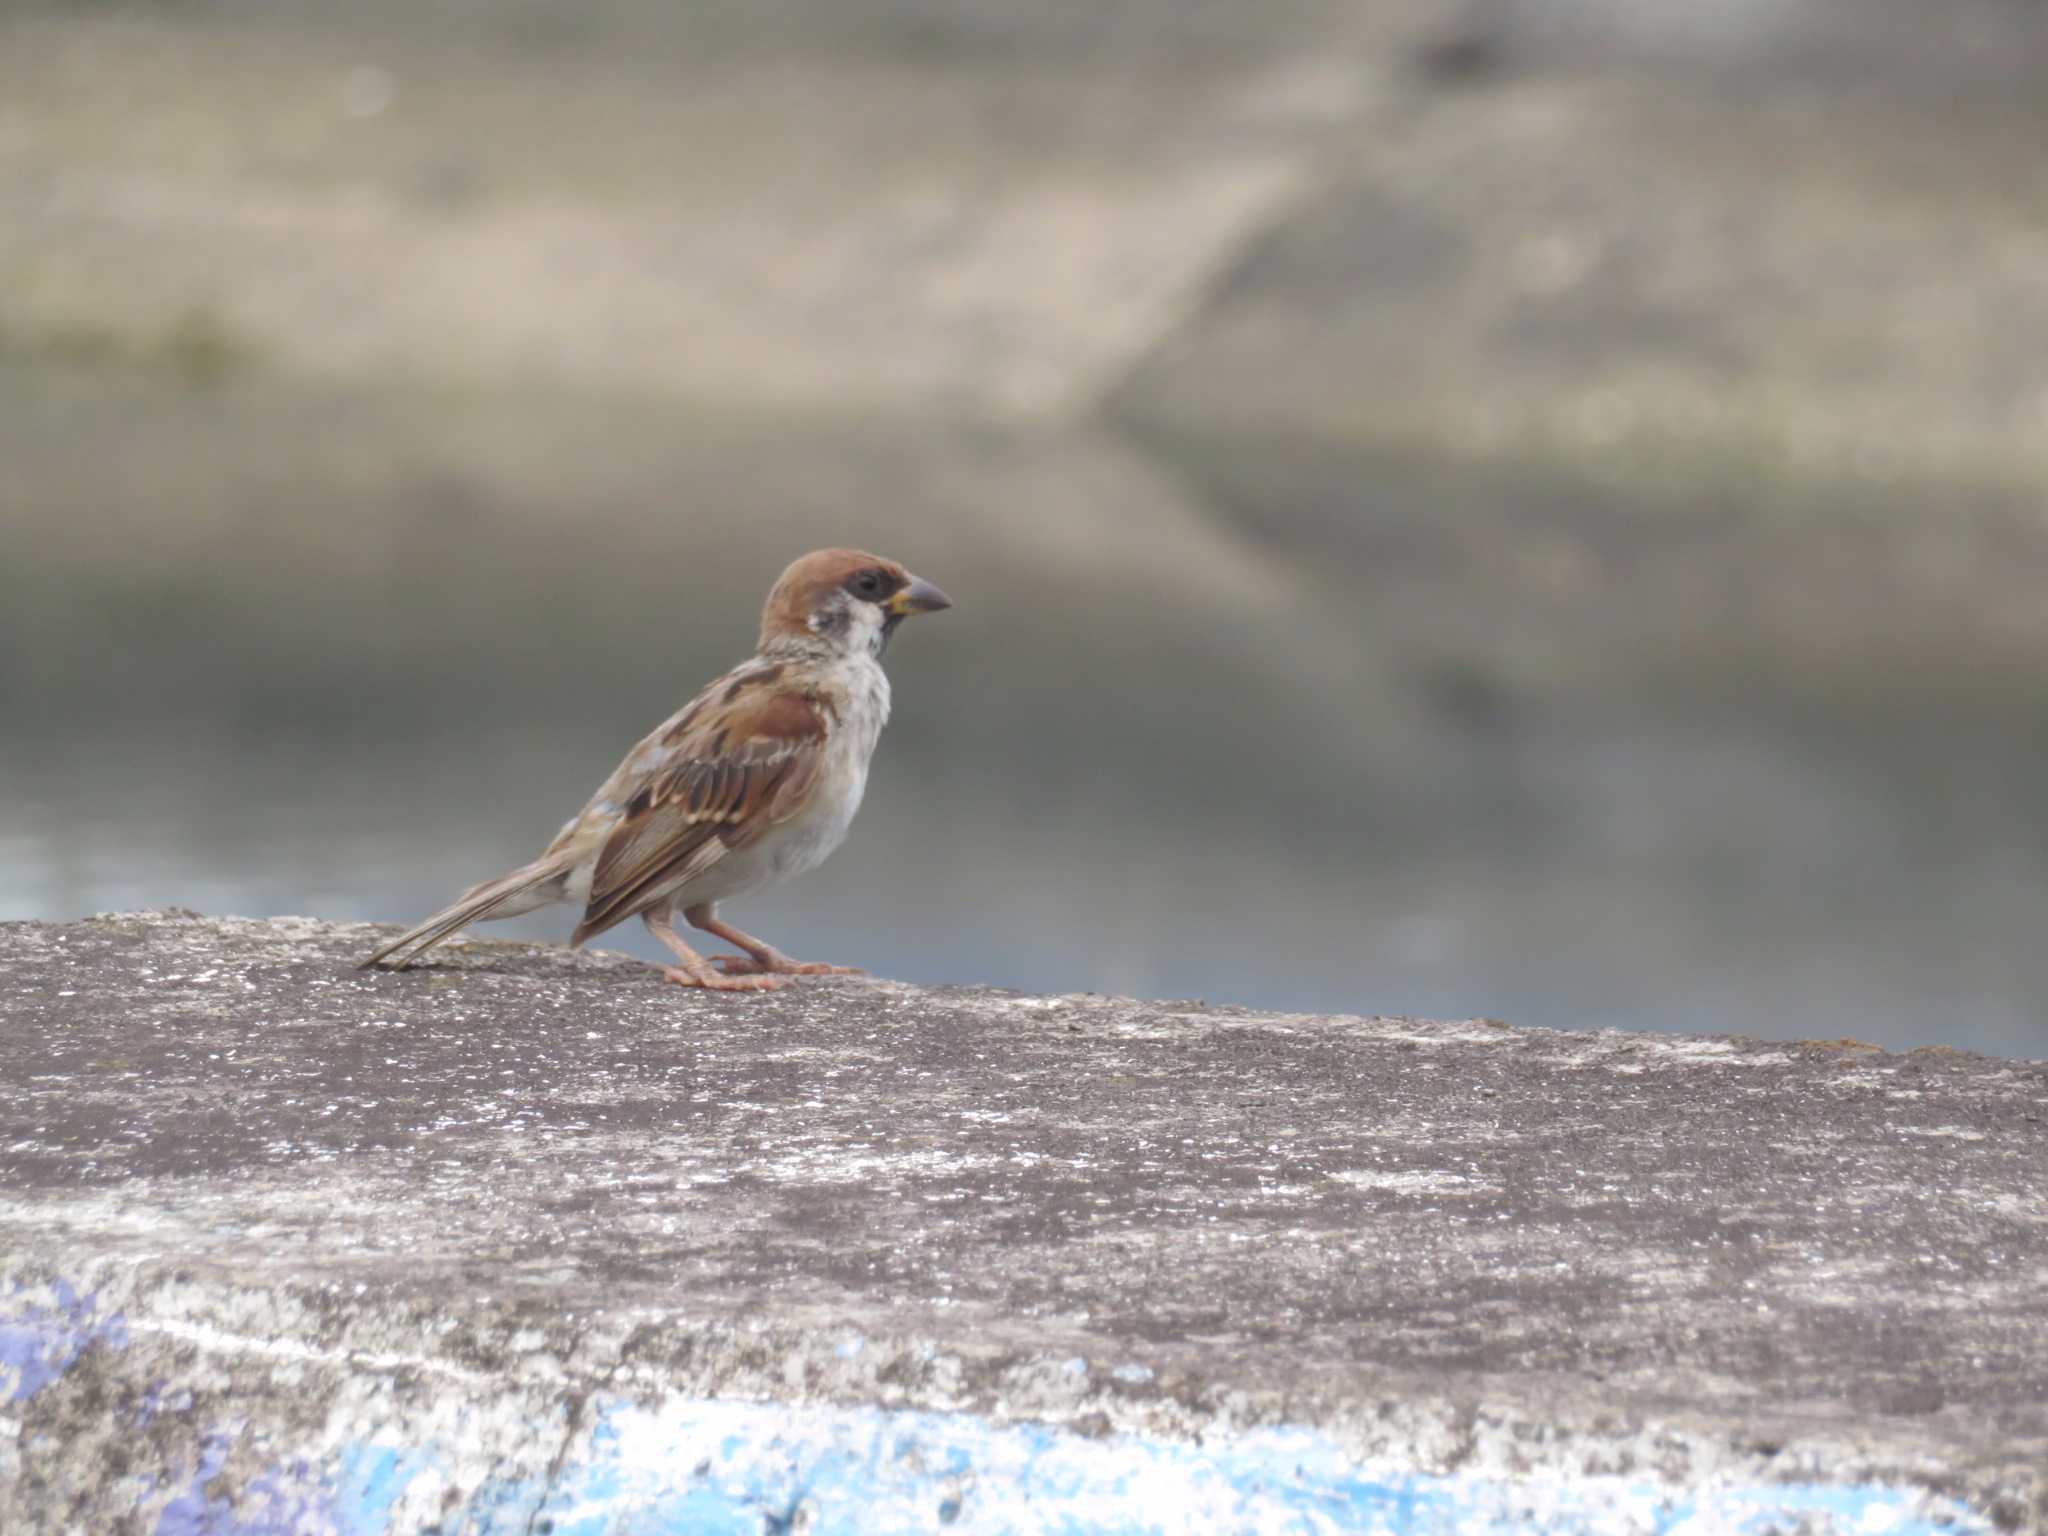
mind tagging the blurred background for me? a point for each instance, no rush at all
(1536, 508)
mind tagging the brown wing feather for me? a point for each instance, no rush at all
(739, 767)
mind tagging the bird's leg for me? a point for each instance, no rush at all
(761, 959)
(694, 970)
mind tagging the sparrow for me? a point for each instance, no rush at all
(754, 780)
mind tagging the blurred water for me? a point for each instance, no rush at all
(1260, 731)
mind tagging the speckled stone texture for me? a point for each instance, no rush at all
(256, 1205)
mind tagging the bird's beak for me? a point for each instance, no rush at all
(919, 597)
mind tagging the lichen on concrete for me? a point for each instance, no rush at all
(279, 1238)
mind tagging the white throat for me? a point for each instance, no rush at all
(850, 627)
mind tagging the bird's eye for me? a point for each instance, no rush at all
(868, 584)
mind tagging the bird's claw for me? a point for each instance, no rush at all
(780, 965)
(711, 981)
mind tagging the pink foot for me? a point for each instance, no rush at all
(780, 965)
(711, 981)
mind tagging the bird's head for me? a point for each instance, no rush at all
(847, 599)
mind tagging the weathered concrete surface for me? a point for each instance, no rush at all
(527, 1236)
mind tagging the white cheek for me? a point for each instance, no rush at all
(861, 634)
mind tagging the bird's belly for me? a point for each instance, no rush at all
(789, 849)
(806, 842)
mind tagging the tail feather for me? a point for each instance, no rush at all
(478, 903)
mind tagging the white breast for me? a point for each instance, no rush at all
(804, 842)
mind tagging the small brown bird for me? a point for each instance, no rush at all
(754, 780)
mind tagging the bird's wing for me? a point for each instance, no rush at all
(742, 758)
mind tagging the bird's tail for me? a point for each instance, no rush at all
(507, 896)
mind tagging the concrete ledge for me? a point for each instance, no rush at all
(528, 1241)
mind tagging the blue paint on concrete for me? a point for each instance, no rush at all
(296, 1496)
(291, 1498)
(41, 1340)
(370, 1481)
(267, 1506)
(697, 1467)
(711, 1468)
(278, 1502)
